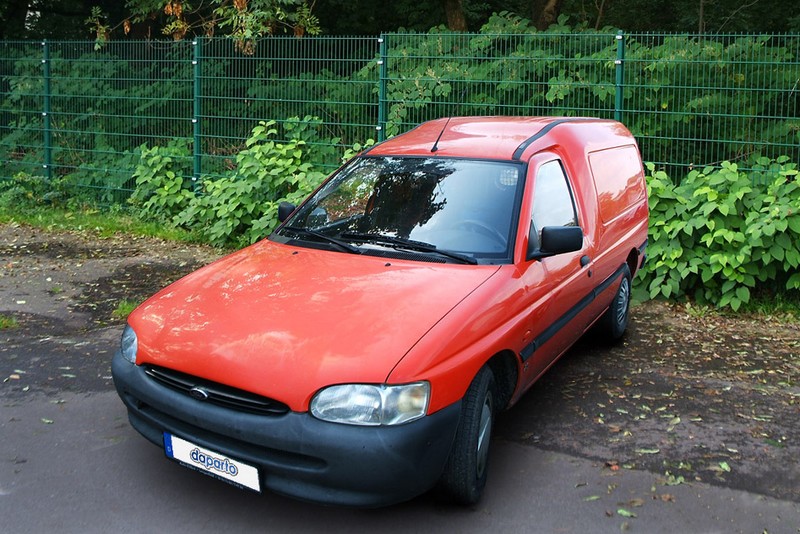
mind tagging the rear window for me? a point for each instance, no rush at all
(618, 178)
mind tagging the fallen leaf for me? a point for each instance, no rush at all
(591, 498)
(625, 513)
(672, 480)
(47, 421)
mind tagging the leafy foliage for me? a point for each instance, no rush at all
(723, 234)
(243, 206)
(238, 208)
(243, 20)
(163, 181)
(24, 191)
(732, 97)
(702, 87)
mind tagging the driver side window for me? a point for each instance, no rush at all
(552, 200)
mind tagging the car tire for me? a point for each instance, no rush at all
(464, 475)
(615, 320)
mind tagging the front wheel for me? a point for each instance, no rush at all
(615, 321)
(464, 475)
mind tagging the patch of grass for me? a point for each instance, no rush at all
(8, 322)
(784, 307)
(123, 309)
(93, 220)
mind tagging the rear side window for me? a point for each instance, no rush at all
(552, 199)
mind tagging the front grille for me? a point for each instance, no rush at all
(218, 394)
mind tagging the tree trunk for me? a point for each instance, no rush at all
(601, 6)
(701, 23)
(545, 12)
(454, 9)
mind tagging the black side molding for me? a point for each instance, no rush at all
(562, 321)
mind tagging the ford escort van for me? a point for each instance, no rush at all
(360, 354)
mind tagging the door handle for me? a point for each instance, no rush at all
(585, 260)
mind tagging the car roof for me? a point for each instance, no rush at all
(501, 138)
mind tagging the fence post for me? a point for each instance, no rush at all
(619, 67)
(48, 149)
(382, 103)
(197, 167)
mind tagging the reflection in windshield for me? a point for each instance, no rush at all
(405, 196)
(459, 205)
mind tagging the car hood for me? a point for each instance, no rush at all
(285, 321)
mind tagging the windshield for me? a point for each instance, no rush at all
(452, 205)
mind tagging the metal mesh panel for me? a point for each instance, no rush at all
(532, 74)
(695, 101)
(79, 115)
(316, 89)
(105, 104)
(21, 108)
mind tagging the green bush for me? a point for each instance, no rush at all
(718, 238)
(163, 180)
(242, 207)
(24, 191)
(238, 208)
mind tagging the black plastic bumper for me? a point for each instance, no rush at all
(296, 454)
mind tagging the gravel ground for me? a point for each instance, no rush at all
(690, 396)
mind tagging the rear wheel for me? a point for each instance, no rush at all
(615, 321)
(464, 475)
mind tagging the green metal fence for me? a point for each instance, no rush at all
(80, 115)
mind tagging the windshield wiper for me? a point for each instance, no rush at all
(343, 245)
(409, 244)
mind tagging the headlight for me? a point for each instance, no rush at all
(129, 344)
(372, 405)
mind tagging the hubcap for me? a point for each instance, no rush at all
(484, 435)
(622, 301)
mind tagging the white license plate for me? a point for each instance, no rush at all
(211, 463)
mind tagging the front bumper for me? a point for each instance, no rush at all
(296, 454)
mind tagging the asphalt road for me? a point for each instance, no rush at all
(71, 463)
(579, 454)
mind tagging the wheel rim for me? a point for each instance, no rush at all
(484, 436)
(623, 298)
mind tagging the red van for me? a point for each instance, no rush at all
(359, 355)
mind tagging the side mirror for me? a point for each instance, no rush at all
(557, 240)
(284, 210)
